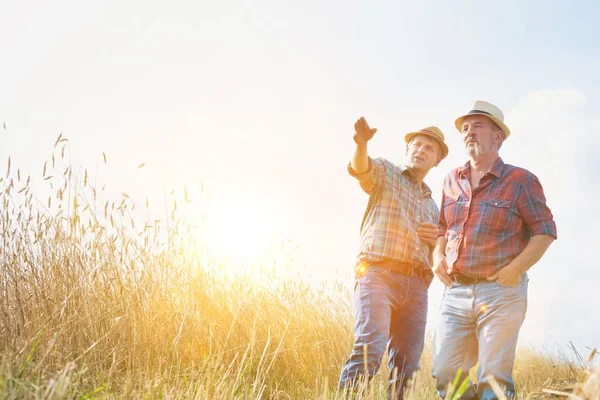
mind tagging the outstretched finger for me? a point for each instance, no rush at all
(362, 122)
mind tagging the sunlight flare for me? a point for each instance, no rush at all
(240, 229)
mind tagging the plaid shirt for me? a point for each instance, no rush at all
(487, 228)
(397, 206)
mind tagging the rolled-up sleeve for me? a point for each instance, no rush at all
(442, 224)
(370, 180)
(532, 208)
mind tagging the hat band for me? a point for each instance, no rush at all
(480, 112)
(433, 133)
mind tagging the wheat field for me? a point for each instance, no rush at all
(97, 303)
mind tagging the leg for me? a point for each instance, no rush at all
(454, 342)
(407, 333)
(372, 314)
(502, 311)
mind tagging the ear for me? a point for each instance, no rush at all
(499, 135)
(406, 150)
(438, 153)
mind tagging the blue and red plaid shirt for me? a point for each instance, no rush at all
(488, 227)
(398, 205)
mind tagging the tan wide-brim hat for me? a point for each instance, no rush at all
(487, 110)
(431, 131)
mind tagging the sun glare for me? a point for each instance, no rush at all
(241, 231)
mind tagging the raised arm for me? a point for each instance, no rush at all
(362, 134)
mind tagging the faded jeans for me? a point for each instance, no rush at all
(389, 308)
(479, 323)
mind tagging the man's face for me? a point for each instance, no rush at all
(480, 135)
(423, 153)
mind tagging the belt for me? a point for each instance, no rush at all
(404, 268)
(464, 279)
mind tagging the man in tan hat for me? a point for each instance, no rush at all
(494, 225)
(393, 270)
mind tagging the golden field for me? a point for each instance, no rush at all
(98, 304)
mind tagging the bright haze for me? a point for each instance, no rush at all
(254, 103)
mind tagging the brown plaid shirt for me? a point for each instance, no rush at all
(397, 207)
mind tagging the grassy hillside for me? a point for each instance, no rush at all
(96, 303)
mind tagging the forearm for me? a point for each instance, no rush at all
(440, 247)
(360, 159)
(431, 256)
(532, 253)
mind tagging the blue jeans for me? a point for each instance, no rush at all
(479, 323)
(389, 308)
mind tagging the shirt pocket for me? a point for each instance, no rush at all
(498, 203)
(449, 200)
(449, 205)
(497, 213)
(455, 210)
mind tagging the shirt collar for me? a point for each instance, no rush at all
(406, 172)
(497, 168)
(463, 171)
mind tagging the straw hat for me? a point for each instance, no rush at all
(487, 110)
(431, 131)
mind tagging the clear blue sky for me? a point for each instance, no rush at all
(258, 99)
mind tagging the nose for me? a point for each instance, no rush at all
(470, 132)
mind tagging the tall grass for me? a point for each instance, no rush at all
(98, 302)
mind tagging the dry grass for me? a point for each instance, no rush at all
(96, 303)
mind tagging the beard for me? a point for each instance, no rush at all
(476, 150)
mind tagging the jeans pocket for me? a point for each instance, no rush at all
(519, 289)
(370, 275)
(507, 286)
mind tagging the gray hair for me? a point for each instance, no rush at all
(495, 128)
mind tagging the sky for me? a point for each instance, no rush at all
(253, 103)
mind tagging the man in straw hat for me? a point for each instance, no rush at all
(393, 272)
(494, 225)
